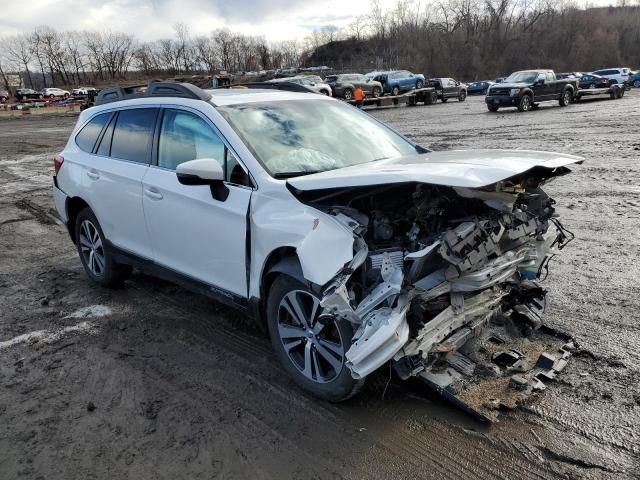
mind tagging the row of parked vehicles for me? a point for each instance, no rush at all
(24, 94)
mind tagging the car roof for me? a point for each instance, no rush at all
(235, 96)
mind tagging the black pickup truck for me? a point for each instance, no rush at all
(526, 89)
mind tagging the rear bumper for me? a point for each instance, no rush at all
(60, 201)
(502, 100)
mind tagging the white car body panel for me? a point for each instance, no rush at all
(454, 168)
(195, 234)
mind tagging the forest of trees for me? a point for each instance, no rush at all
(467, 39)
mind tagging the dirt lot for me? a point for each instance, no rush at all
(155, 382)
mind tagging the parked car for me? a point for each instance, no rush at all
(28, 94)
(527, 88)
(321, 87)
(353, 246)
(634, 79)
(83, 90)
(447, 88)
(4, 96)
(55, 92)
(589, 80)
(398, 81)
(344, 85)
(564, 75)
(479, 88)
(615, 75)
(499, 80)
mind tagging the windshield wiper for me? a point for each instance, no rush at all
(285, 175)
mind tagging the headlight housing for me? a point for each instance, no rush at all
(514, 91)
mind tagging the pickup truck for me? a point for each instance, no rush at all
(526, 89)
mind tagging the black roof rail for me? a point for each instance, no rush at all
(288, 86)
(153, 89)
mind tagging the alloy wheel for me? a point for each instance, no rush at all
(315, 349)
(92, 248)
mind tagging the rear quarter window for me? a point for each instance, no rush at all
(88, 135)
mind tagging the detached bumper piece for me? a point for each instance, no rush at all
(498, 369)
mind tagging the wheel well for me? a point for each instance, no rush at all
(74, 206)
(276, 257)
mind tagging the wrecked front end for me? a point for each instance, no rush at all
(444, 284)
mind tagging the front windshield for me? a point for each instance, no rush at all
(521, 77)
(294, 137)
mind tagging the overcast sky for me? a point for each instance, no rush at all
(153, 19)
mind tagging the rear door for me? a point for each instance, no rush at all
(192, 232)
(113, 177)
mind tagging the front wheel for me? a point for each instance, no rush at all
(310, 349)
(95, 255)
(636, 83)
(419, 84)
(376, 92)
(525, 103)
(462, 96)
(395, 91)
(347, 94)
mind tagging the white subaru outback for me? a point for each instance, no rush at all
(352, 245)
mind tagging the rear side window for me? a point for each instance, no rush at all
(87, 137)
(132, 134)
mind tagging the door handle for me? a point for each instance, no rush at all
(93, 175)
(153, 193)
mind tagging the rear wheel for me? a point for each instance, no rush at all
(565, 99)
(395, 91)
(525, 103)
(95, 255)
(376, 92)
(310, 350)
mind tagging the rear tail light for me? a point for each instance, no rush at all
(57, 163)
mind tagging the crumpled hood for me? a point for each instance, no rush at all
(453, 168)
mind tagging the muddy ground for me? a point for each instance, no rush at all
(162, 383)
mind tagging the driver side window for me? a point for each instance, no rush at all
(185, 136)
(540, 77)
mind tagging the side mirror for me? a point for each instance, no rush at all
(204, 171)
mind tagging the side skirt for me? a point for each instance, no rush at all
(150, 267)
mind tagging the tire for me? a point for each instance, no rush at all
(376, 92)
(395, 91)
(462, 96)
(636, 83)
(592, 85)
(52, 96)
(524, 105)
(419, 84)
(95, 255)
(565, 98)
(40, 97)
(317, 369)
(491, 108)
(347, 94)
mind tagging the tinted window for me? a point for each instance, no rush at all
(105, 143)
(87, 137)
(132, 134)
(185, 136)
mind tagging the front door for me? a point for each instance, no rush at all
(192, 232)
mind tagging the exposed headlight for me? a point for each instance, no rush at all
(514, 91)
